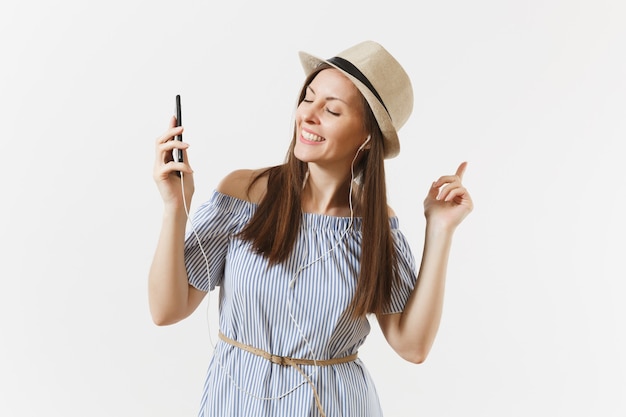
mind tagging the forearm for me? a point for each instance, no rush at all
(419, 322)
(168, 288)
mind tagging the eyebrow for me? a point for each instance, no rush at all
(331, 98)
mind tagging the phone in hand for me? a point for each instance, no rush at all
(177, 154)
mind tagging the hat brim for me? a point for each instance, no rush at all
(390, 135)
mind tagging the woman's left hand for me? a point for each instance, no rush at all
(448, 202)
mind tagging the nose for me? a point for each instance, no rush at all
(309, 111)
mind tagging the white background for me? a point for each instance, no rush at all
(532, 93)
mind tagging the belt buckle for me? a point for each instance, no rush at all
(278, 360)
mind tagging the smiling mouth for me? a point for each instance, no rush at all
(312, 137)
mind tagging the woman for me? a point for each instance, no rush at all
(304, 252)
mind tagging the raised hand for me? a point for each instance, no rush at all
(448, 202)
(164, 172)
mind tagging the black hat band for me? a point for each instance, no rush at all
(348, 67)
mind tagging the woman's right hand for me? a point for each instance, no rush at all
(164, 172)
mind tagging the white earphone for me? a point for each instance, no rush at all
(365, 143)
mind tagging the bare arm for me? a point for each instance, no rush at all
(412, 332)
(171, 297)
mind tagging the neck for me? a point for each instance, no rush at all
(326, 193)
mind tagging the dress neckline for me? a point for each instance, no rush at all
(314, 220)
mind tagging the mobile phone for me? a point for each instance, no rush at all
(177, 154)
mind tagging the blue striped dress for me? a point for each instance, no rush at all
(307, 319)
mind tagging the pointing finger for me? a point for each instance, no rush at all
(461, 169)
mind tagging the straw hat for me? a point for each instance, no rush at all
(381, 79)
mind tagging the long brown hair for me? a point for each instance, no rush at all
(275, 225)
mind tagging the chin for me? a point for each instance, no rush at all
(302, 155)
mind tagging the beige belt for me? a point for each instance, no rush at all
(294, 362)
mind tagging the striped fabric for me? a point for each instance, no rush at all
(309, 319)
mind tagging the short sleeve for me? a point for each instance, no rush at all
(213, 226)
(406, 269)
